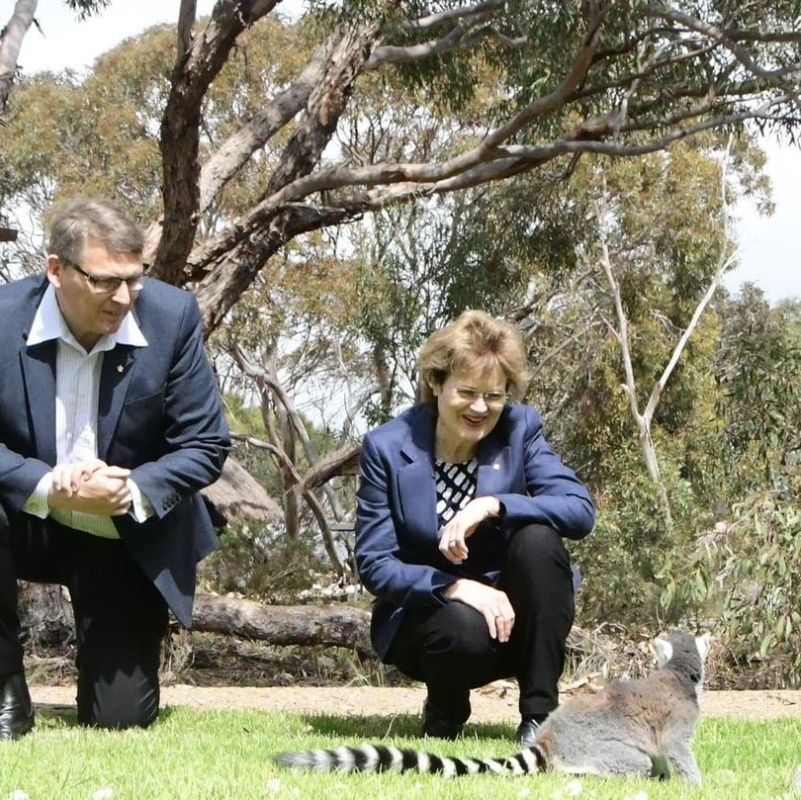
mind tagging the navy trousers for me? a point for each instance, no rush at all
(449, 647)
(120, 616)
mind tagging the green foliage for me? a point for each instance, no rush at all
(665, 236)
(99, 135)
(749, 573)
(622, 560)
(420, 271)
(759, 367)
(260, 562)
(67, 134)
(86, 8)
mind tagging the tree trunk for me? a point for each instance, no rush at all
(338, 626)
(46, 616)
(47, 621)
(10, 44)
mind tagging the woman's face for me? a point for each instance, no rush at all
(469, 405)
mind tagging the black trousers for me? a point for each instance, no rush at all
(120, 616)
(449, 647)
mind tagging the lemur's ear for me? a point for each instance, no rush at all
(703, 643)
(663, 649)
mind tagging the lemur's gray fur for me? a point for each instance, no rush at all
(631, 727)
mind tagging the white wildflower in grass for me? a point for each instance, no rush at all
(103, 794)
(572, 789)
(274, 785)
(18, 794)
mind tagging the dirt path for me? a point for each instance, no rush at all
(496, 704)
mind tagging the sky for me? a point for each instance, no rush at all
(768, 245)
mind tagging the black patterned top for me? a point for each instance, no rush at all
(456, 485)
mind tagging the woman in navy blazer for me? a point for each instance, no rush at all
(462, 507)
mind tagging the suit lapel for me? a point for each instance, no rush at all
(39, 370)
(495, 472)
(416, 485)
(115, 376)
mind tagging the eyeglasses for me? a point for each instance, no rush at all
(108, 284)
(491, 399)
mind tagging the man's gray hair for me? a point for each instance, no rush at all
(73, 222)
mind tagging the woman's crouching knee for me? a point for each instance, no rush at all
(464, 633)
(538, 544)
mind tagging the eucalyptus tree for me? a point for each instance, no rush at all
(15, 30)
(759, 376)
(612, 77)
(745, 569)
(246, 140)
(635, 310)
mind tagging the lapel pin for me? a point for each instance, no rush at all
(120, 368)
(496, 466)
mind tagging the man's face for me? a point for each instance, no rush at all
(90, 310)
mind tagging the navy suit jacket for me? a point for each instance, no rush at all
(159, 415)
(397, 539)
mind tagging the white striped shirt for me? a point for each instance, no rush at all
(77, 395)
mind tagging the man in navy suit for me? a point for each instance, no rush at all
(110, 424)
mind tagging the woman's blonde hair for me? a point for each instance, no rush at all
(474, 341)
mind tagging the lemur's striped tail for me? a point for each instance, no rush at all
(381, 758)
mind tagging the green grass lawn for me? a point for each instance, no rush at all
(226, 754)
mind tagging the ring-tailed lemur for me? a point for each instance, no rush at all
(631, 727)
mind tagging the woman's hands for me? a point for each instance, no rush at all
(452, 543)
(492, 603)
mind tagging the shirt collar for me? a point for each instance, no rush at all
(49, 323)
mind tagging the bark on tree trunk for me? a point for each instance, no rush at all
(47, 617)
(47, 620)
(45, 614)
(10, 44)
(339, 626)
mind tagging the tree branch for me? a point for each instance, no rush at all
(180, 128)
(743, 57)
(308, 496)
(234, 153)
(724, 262)
(10, 44)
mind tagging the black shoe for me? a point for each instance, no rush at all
(438, 726)
(527, 731)
(16, 709)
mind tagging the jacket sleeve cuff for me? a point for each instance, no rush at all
(141, 508)
(37, 504)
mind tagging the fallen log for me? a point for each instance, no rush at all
(47, 620)
(332, 625)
